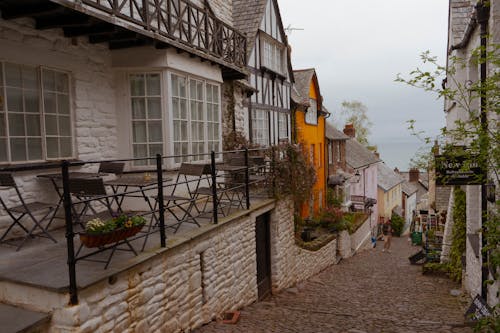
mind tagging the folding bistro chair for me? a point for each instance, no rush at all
(28, 210)
(87, 190)
(115, 168)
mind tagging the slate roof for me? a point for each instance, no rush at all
(333, 133)
(387, 178)
(247, 15)
(358, 156)
(408, 188)
(303, 79)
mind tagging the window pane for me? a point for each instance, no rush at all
(182, 87)
(33, 125)
(66, 147)
(138, 108)
(154, 108)
(140, 151)
(16, 124)
(155, 149)
(34, 148)
(18, 149)
(51, 125)
(153, 84)
(154, 129)
(13, 75)
(139, 129)
(14, 100)
(175, 85)
(63, 104)
(176, 107)
(30, 78)
(62, 83)
(3, 150)
(64, 126)
(216, 94)
(137, 85)
(52, 147)
(49, 82)
(184, 131)
(49, 102)
(31, 101)
(183, 109)
(3, 132)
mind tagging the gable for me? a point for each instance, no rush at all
(271, 22)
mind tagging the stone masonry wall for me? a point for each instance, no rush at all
(472, 279)
(291, 264)
(91, 87)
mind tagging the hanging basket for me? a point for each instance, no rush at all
(97, 240)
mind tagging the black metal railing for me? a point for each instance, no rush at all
(180, 20)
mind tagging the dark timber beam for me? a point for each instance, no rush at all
(117, 36)
(61, 21)
(10, 12)
(89, 30)
(124, 44)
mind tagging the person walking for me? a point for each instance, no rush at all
(387, 231)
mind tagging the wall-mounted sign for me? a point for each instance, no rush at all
(458, 170)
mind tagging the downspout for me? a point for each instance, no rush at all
(483, 13)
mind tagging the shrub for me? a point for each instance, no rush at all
(397, 223)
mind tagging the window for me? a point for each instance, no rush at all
(283, 126)
(273, 54)
(196, 118)
(339, 151)
(35, 114)
(330, 153)
(147, 124)
(312, 112)
(260, 127)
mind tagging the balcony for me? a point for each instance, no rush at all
(131, 23)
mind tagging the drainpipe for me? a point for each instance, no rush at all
(483, 13)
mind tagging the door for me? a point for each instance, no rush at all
(263, 250)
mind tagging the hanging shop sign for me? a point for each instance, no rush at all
(458, 170)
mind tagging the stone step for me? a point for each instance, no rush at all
(17, 320)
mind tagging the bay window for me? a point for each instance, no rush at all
(196, 118)
(147, 124)
(35, 114)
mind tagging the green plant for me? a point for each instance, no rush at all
(98, 226)
(292, 173)
(332, 199)
(397, 223)
(458, 244)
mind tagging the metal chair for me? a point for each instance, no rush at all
(25, 209)
(111, 167)
(87, 190)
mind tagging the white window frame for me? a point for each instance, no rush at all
(312, 112)
(206, 157)
(257, 138)
(41, 114)
(272, 54)
(148, 163)
(283, 122)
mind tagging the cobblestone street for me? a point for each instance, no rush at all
(370, 292)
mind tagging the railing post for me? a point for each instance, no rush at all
(145, 12)
(214, 187)
(73, 290)
(247, 179)
(161, 204)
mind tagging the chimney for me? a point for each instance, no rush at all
(414, 175)
(349, 130)
(396, 170)
(377, 154)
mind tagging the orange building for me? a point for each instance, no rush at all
(309, 129)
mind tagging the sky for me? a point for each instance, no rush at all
(358, 48)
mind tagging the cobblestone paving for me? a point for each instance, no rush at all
(370, 292)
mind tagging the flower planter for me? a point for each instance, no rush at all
(97, 240)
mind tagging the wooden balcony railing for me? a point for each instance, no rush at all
(176, 22)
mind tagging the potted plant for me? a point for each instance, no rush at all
(99, 233)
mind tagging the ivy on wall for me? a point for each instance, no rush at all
(458, 235)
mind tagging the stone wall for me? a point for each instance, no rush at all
(472, 278)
